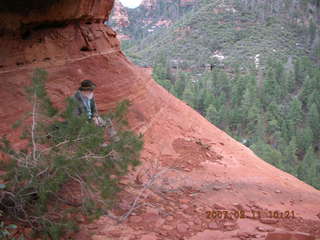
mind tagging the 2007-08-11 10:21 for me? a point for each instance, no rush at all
(220, 214)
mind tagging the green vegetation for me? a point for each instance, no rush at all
(63, 157)
(264, 92)
(5, 229)
(236, 29)
(276, 114)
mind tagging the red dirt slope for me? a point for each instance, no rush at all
(190, 168)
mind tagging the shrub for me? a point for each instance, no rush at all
(63, 156)
(5, 229)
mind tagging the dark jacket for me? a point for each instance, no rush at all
(80, 107)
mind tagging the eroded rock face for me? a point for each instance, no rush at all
(149, 4)
(121, 19)
(203, 169)
(150, 16)
(289, 236)
(120, 15)
(57, 12)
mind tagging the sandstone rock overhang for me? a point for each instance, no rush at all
(17, 15)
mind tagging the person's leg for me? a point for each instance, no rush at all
(111, 131)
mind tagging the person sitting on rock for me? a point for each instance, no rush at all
(85, 100)
(86, 104)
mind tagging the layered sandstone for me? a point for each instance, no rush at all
(59, 11)
(121, 19)
(202, 168)
(120, 15)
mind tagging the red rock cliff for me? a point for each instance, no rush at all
(121, 18)
(208, 169)
(64, 10)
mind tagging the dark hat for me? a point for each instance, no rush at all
(87, 85)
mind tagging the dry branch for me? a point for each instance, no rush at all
(146, 186)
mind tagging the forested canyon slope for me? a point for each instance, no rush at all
(250, 67)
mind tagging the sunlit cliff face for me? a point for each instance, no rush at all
(131, 3)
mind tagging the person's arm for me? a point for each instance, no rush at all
(98, 120)
(94, 108)
(77, 111)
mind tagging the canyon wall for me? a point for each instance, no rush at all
(149, 17)
(57, 12)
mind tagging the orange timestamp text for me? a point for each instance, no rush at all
(221, 214)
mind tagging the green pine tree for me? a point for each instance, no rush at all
(291, 159)
(268, 153)
(304, 138)
(212, 115)
(295, 116)
(189, 95)
(308, 168)
(181, 83)
(313, 120)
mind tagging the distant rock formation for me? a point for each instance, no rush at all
(150, 16)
